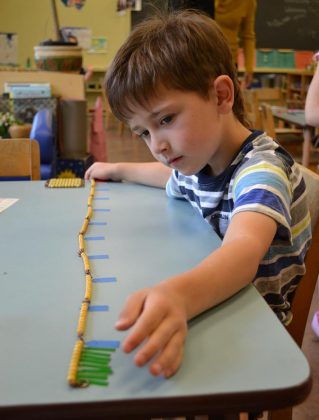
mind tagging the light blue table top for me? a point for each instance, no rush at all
(293, 116)
(236, 349)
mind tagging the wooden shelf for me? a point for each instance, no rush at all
(90, 90)
(269, 70)
(293, 82)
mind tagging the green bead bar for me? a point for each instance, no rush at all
(100, 370)
(97, 382)
(86, 364)
(97, 375)
(89, 365)
(99, 349)
(94, 358)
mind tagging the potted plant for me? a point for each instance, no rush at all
(11, 127)
(59, 54)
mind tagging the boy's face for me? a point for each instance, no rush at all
(181, 129)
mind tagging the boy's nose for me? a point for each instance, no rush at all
(159, 144)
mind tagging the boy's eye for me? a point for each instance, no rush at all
(166, 120)
(144, 135)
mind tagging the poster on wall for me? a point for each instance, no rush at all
(137, 5)
(98, 45)
(83, 36)
(123, 5)
(76, 3)
(8, 49)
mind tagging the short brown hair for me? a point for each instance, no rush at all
(182, 50)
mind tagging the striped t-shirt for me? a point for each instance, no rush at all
(263, 178)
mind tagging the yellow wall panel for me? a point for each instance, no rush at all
(32, 21)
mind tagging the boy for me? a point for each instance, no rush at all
(174, 83)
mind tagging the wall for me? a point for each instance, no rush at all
(32, 21)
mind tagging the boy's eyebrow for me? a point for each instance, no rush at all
(136, 128)
(160, 110)
(153, 114)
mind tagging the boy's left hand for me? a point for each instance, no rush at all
(159, 320)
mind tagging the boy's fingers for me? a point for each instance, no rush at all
(132, 309)
(170, 371)
(149, 320)
(170, 358)
(159, 339)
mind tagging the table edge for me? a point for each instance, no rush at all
(165, 406)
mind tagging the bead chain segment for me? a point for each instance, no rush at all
(88, 365)
(64, 183)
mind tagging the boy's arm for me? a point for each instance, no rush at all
(312, 101)
(154, 174)
(232, 266)
(159, 314)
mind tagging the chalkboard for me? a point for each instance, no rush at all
(279, 23)
(287, 24)
(150, 7)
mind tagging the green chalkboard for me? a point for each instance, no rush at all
(279, 23)
(287, 24)
(151, 6)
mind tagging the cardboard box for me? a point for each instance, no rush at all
(73, 166)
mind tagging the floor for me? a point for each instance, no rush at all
(128, 148)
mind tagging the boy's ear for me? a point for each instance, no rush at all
(223, 89)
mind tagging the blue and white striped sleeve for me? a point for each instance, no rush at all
(172, 187)
(264, 187)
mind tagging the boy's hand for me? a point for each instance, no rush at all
(102, 170)
(159, 320)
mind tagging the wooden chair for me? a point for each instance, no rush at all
(303, 296)
(254, 100)
(20, 158)
(254, 97)
(268, 124)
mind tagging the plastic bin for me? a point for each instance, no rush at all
(266, 57)
(241, 59)
(303, 59)
(285, 59)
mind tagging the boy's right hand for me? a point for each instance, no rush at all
(158, 321)
(102, 170)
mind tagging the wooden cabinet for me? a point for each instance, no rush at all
(93, 87)
(297, 85)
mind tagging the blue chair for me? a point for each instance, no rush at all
(43, 131)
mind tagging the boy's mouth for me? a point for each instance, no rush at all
(172, 162)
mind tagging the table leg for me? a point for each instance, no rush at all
(306, 147)
(232, 416)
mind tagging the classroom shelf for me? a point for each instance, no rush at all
(273, 70)
(293, 82)
(93, 87)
